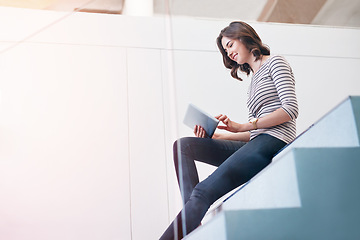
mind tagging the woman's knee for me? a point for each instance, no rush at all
(202, 194)
(182, 145)
(182, 142)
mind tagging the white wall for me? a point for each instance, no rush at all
(90, 106)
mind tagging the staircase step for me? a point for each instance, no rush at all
(340, 127)
(329, 193)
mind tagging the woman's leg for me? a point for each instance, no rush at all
(189, 149)
(239, 168)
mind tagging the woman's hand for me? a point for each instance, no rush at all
(200, 132)
(230, 126)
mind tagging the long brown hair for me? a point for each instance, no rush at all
(247, 35)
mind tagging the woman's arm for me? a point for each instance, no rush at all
(277, 117)
(241, 130)
(243, 136)
(284, 82)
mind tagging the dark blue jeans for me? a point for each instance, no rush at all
(237, 163)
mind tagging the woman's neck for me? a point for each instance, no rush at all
(256, 64)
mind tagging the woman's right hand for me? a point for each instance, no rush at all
(229, 125)
(200, 132)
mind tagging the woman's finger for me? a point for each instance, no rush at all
(223, 117)
(197, 131)
(218, 116)
(202, 132)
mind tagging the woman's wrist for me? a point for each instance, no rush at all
(216, 136)
(239, 127)
(253, 123)
(249, 126)
(244, 127)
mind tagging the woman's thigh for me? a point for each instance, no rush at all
(206, 150)
(240, 167)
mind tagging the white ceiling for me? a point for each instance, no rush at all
(230, 9)
(320, 12)
(339, 13)
(332, 12)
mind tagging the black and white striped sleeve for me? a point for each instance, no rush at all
(284, 81)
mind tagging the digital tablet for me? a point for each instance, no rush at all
(195, 116)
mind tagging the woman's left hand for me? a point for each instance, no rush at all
(230, 126)
(200, 132)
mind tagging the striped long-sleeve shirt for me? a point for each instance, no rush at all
(273, 87)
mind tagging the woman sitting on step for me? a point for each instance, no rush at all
(248, 147)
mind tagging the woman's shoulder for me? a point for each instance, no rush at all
(275, 60)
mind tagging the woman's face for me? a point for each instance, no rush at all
(236, 50)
